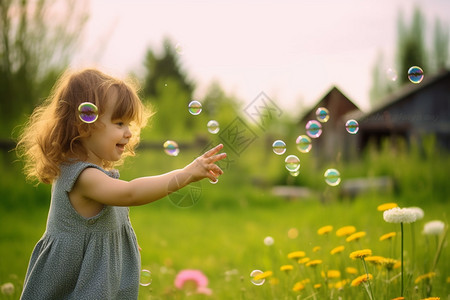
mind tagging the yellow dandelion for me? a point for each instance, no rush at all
(356, 236)
(286, 268)
(425, 276)
(363, 278)
(386, 206)
(360, 253)
(313, 263)
(306, 280)
(387, 236)
(376, 260)
(298, 287)
(399, 298)
(397, 264)
(317, 286)
(324, 230)
(316, 248)
(346, 230)
(337, 250)
(331, 274)
(340, 284)
(351, 270)
(296, 254)
(274, 281)
(448, 279)
(263, 275)
(431, 298)
(304, 260)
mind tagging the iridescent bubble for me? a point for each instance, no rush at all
(88, 112)
(195, 107)
(213, 126)
(332, 177)
(214, 182)
(279, 147)
(171, 148)
(352, 126)
(145, 278)
(294, 174)
(415, 74)
(313, 129)
(391, 74)
(303, 143)
(179, 49)
(322, 114)
(292, 163)
(256, 281)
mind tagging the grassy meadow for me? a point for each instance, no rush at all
(225, 235)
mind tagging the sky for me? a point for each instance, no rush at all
(293, 51)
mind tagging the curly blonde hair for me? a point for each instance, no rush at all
(52, 134)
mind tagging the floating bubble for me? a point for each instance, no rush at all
(88, 112)
(391, 74)
(279, 147)
(322, 114)
(303, 143)
(268, 241)
(145, 278)
(313, 129)
(213, 126)
(352, 126)
(214, 182)
(179, 49)
(292, 163)
(332, 177)
(171, 148)
(256, 281)
(415, 74)
(294, 174)
(195, 107)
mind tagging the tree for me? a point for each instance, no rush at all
(37, 40)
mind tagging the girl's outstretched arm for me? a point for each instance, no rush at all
(94, 185)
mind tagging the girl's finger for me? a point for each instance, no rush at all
(217, 157)
(213, 151)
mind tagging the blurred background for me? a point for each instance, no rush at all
(261, 69)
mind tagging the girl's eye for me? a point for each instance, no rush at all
(120, 124)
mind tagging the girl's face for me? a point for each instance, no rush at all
(107, 142)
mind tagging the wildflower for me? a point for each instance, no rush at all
(346, 230)
(418, 211)
(296, 254)
(399, 215)
(324, 230)
(337, 250)
(331, 274)
(435, 227)
(298, 287)
(303, 260)
(363, 278)
(425, 276)
(351, 270)
(399, 298)
(431, 298)
(313, 263)
(376, 260)
(317, 286)
(268, 241)
(306, 280)
(387, 236)
(356, 236)
(263, 275)
(360, 253)
(286, 268)
(196, 277)
(316, 248)
(7, 288)
(386, 206)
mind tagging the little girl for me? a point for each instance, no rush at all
(89, 249)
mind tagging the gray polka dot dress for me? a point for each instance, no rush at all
(83, 258)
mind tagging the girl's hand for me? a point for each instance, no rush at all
(204, 166)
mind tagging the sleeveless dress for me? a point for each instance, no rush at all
(83, 258)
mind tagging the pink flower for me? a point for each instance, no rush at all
(195, 279)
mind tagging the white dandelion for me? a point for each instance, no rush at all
(435, 227)
(399, 215)
(418, 211)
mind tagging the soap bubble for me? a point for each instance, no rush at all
(322, 114)
(332, 177)
(256, 281)
(279, 147)
(179, 49)
(195, 107)
(292, 163)
(415, 74)
(391, 74)
(313, 129)
(145, 278)
(213, 126)
(171, 148)
(303, 143)
(88, 112)
(352, 126)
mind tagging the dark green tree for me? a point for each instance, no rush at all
(37, 40)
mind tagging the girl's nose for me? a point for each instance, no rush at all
(127, 133)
